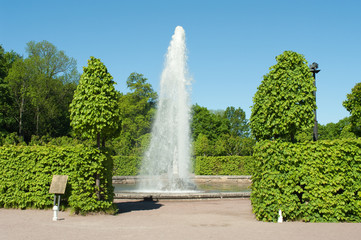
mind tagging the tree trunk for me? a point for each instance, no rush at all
(37, 120)
(103, 142)
(98, 141)
(21, 111)
(97, 177)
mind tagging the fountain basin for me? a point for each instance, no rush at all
(210, 187)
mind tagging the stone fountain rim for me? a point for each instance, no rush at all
(193, 177)
(184, 195)
(181, 196)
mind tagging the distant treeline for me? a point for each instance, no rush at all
(36, 91)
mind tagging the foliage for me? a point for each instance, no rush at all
(224, 145)
(52, 63)
(311, 181)
(18, 81)
(202, 146)
(94, 111)
(40, 89)
(353, 105)
(6, 61)
(238, 122)
(207, 123)
(224, 165)
(284, 102)
(221, 165)
(136, 111)
(126, 165)
(331, 131)
(26, 173)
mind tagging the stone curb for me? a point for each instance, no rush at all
(178, 196)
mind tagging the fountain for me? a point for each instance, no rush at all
(166, 164)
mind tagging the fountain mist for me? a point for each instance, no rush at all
(166, 164)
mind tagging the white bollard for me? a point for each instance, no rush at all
(56, 210)
(280, 218)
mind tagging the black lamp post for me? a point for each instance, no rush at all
(314, 70)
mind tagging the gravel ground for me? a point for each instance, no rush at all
(197, 219)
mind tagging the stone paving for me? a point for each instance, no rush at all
(192, 219)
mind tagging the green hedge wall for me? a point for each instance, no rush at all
(126, 165)
(312, 181)
(224, 165)
(227, 165)
(26, 173)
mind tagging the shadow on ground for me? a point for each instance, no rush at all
(146, 205)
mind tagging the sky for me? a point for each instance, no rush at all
(231, 44)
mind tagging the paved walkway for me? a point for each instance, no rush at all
(205, 219)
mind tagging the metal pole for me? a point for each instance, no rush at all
(59, 201)
(315, 127)
(56, 208)
(314, 70)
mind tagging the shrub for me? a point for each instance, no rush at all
(126, 165)
(224, 165)
(311, 181)
(26, 173)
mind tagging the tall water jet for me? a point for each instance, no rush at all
(166, 163)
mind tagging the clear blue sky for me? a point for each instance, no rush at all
(231, 44)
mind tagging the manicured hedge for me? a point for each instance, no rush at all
(126, 165)
(312, 181)
(26, 173)
(224, 165)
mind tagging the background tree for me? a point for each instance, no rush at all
(41, 88)
(52, 85)
(353, 105)
(201, 146)
(207, 123)
(221, 133)
(238, 122)
(284, 102)
(136, 111)
(7, 123)
(332, 131)
(18, 80)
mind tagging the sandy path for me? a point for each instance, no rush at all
(206, 219)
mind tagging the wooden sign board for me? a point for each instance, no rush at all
(58, 184)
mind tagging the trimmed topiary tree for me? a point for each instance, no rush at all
(284, 102)
(94, 111)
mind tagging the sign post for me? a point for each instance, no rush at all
(57, 187)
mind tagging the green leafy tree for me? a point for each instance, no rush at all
(353, 105)
(136, 111)
(207, 123)
(18, 79)
(7, 122)
(94, 111)
(229, 145)
(54, 73)
(238, 122)
(201, 146)
(332, 131)
(284, 102)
